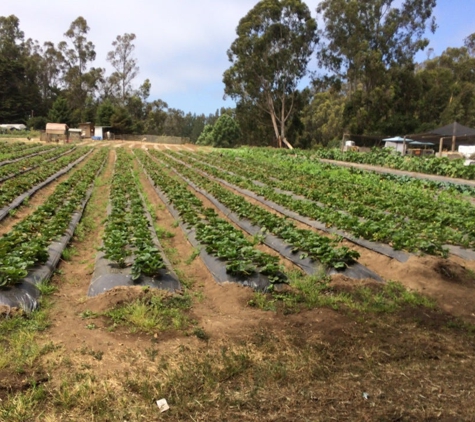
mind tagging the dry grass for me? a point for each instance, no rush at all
(412, 364)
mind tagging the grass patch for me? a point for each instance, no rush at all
(163, 233)
(309, 292)
(19, 349)
(68, 253)
(155, 311)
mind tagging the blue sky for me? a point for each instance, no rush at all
(181, 45)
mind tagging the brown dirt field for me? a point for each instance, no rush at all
(319, 364)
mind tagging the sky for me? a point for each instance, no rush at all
(181, 44)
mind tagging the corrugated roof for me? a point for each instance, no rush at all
(56, 126)
(448, 130)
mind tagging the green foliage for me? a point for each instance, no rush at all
(60, 112)
(28, 241)
(104, 113)
(270, 56)
(19, 93)
(128, 233)
(37, 122)
(121, 121)
(226, 132)
(206, 136)
(125, 65)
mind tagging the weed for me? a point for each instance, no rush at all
(154, 312)
(163, 233)
(195, 253)
(96, 354)
(46, 288)
(201, 334)
(88, 314)
(68, 253)
(308, 292)
(151, 353)
(172, 254)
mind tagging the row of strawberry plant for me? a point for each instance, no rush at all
(221, 239)
(365, 195)
(31, 162)
(27, 243)
(310, 243)
(398, 233)
(9, 147)
(127, 232)
(12, 188)
(388, 158)
(18, 155)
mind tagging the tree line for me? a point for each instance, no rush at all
(293, 82)
(58, 83)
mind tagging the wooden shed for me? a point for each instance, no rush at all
(87, 129)
(57, 132)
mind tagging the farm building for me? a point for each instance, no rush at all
(56, 132)
(397, 143)
(87, 129)
(75, 134)
(101, 132)
(12, 127)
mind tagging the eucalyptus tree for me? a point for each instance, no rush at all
(274, 44)
(364, 38)
(125, 65)
(80, 81)
(369, 47)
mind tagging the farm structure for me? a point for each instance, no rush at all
(56, 132)
(87, 129)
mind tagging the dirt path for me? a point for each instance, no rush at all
(220, 308)
(386, 170)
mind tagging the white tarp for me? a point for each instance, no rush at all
(14, 126)
(467, 150)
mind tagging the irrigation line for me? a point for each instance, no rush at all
(108, 275)
(4, 212)
(380, 248)
(25, 295)
(308, 265)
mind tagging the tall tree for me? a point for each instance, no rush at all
(125, 65)
(363, 38)
(19, 93)
(79, 80)
(269, 57)
(60, 112)
(369, 46)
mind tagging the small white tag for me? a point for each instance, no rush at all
(162, 405)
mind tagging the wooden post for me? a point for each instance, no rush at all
(404, 146)
(440, 146)
(343, 142)
(453, 138)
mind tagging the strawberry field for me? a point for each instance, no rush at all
(224, 280)
(266, 211)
